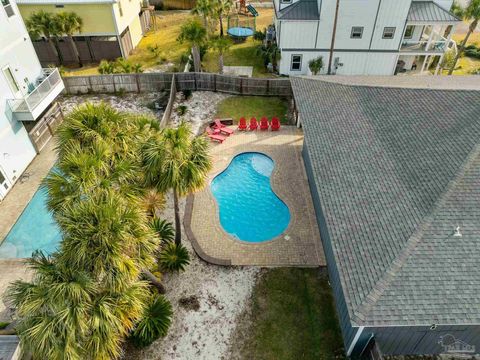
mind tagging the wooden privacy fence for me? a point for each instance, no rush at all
(171, 100)
(43, 131)
(183, 81)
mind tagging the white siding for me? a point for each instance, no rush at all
(392, 13)
(293, 34)
(306, 57)
(16, 51)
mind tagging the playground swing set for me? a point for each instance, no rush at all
(242, 24)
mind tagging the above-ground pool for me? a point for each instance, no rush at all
(249, 209)
(240, 32)
(35, 229)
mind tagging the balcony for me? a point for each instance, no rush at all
(32, 105)
(424, 46)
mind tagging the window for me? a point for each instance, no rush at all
(11, 80)
(409, 31)
(120, 10)
(388, 33)
(296, 63)
(357, 32)
(8, 8)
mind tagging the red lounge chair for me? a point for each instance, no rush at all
(214, 135)
(223, 128)
(242, 124)
(264, 123)
(253, 124)
(275, 124)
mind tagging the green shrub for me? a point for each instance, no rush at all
(174, 257)
(473, 53)
(3, 325)
(181, 110)
(154, 50)
(155, 322)
(106, 67)
(187, 94)
(316, 65)
(163, 228)
(259, 35)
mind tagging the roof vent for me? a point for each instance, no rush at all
(457, 232)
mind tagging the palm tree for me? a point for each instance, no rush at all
(471, 13)
(176, 161)
(222, 8)
(205, 9)
(193, 33)
(87, 298)
(45, 24)
(222, 45)
(70, 23)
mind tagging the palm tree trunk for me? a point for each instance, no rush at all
(178, 230)
(75, 50)
(154, 281)
(60, 56)
(221, 25)
(54, 49)
(196, 59)
(205, 23)
(220, 63)
(471, 28)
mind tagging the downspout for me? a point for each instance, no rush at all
(332, 44)
(355, 340)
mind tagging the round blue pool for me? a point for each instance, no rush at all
(240, 32)
(249, 209)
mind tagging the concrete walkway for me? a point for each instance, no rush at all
(299, 246)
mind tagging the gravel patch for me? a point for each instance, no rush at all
(201, 108)
(131, 102)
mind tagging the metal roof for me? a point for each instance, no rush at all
(301, 10)
(397, 170)
(429, 11)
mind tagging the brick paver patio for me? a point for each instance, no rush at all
(299, 246)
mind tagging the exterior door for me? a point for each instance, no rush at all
(126, 40)
(12, 81)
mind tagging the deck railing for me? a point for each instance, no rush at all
(423, 45)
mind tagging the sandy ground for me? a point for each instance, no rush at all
(201, 108)
(222, 294)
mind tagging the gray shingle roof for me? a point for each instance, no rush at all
(301, 10)
(397, 170)
(8, 346)
(428, 11)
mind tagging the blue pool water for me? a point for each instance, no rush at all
(35, 229)
(249, 209)
(240, 32)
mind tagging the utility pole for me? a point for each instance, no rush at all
(332, 44)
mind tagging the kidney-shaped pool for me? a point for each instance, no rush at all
(249, 209)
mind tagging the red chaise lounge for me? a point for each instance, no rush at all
(223, 128)
(214, 135)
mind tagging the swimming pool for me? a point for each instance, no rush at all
(249, 209)
(35, 229)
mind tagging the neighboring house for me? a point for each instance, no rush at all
(26, 94)
(372, 37)
(111, 28)
(393, 165)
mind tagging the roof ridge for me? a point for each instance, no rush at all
(360, 313)
(289, 8)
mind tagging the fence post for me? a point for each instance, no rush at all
(195, 80)
(114, 86)
(90, 88)
(138, 82)
(215, 82)
(241, 85)
(268, 86)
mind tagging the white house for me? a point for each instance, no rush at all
(26, 92)
(363, 37)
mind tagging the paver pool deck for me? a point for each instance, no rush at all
(300, 245)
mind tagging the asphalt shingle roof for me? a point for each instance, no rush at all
(397, 170)
(301, 10)
(428, 11)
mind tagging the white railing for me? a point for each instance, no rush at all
(47, 82)
(423, 45)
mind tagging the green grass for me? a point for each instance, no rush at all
(253, 106)
(293, 317)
